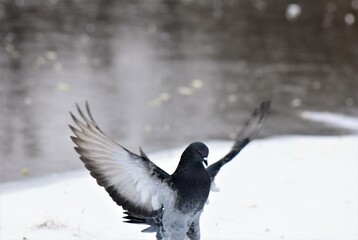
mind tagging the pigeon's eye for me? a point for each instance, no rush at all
(200, 152)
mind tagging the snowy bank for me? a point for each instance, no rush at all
(278, 188)
(333, 119)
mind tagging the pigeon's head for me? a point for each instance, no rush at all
(196, 152)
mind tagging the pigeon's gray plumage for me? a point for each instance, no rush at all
(170, 204)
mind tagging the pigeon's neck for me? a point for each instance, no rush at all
(188, 164)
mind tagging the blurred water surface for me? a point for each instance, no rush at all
(161, 74)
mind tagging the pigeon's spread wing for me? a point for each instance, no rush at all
(252, 127)
(133, 181)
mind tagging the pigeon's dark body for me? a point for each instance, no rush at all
(170, 204)
(190, 180)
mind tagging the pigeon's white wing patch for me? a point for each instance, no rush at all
(133, 181)
(213, 187)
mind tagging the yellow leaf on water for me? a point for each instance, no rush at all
(185, 91)
(197, 83)
(232, 98)
(62, 86)
(25, 171)
(51, 55)
(164, 96)
(147, 128)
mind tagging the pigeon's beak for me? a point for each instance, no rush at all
(205, 161)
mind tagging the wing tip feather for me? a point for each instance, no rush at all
(87, 134)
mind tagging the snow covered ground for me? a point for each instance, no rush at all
(277, 188)
(333, 119)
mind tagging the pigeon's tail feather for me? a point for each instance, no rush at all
(155, 223)
(132, 219)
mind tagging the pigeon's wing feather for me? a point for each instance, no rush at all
(252, 127)
(133, 181)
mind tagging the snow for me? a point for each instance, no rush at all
(293, 11)
(333, 119)
(279, 188)
(349, 18)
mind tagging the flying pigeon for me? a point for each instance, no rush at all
(170, 204)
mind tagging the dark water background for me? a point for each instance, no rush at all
(162, 74)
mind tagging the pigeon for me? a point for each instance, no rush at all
(171, 204)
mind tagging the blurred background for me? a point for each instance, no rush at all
(163, 73)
